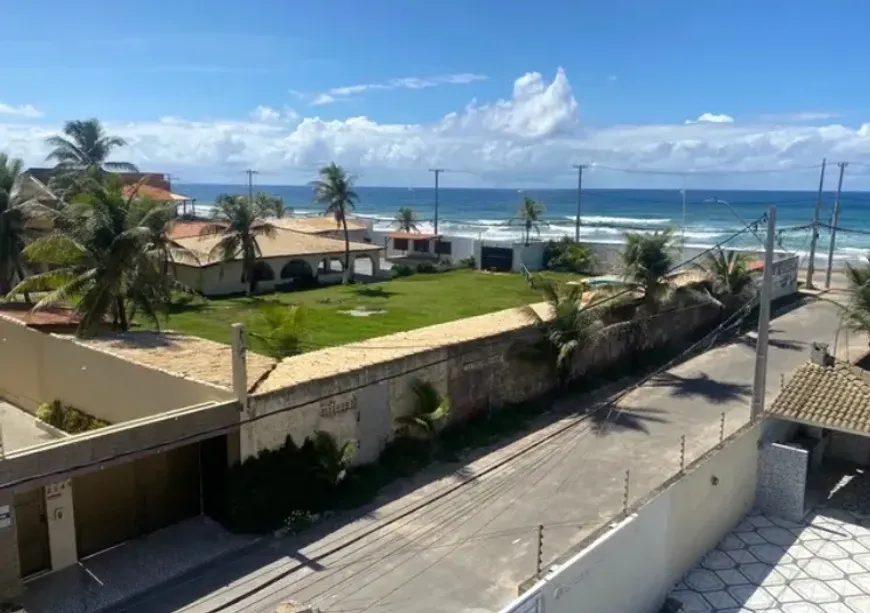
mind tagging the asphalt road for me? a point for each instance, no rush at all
(462, 542)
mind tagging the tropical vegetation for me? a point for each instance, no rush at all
(569, 256)
(430, 411)
(100, 259)
(728, 275)
(569, 326)
(647, 259)
(334, 191)
(530, 215)
(84, 151)
(285, 328)
(238, 228)
(857, 307)
(406, 220)
(269, 206)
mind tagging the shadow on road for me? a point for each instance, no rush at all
(608, 421)
(717, 392)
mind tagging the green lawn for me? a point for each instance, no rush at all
(410, 302)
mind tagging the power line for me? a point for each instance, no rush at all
(216, 431)
(652, 171)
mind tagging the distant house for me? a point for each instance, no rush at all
(326, 227)
(153, 185)
(288, 258)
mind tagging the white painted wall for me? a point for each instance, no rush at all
(633, 567)
(531, 256)
(61, 524)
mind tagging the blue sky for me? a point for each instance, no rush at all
(411, 63)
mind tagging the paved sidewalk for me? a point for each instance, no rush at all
(463, 542)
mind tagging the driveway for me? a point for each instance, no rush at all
(462, 541)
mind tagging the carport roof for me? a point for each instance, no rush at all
(834, 396)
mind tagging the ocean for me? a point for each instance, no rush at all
(606, 213)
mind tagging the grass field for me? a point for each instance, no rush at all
(408, 303)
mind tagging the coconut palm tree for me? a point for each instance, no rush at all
(857, 307)
(334, 191)
(529, 215)
(646, 260)
(728, 274)
(16, 213)
(268, 205)
(430, 410)
(239, 227)
(101, 261)
(85, 149)
(285, 328)
(570, 327)
(158, 217)
(406, 220)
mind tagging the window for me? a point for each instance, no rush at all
(400, 244)
(422, 246)
(443, 248)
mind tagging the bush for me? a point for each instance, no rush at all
(566, 255)
(68, 418)
(468, 262)
(402, 270)
(426, 268)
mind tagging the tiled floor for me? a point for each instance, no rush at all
(769, 565)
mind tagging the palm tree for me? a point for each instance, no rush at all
(728, 274)
(430, 410)
(285, 326)
(268, 205)
(101, 261)
(406, 220)
(570, 327)
(646, 260)
(334, 191)
(332, 458)
(857, 308)
(85, 150)
(529, 215)
(16, 213)
(238, 225)
(158, 217)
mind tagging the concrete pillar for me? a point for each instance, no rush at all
(10, 570)
(376, 265)
(61, 524)
(478, 250)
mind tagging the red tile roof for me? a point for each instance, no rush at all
(187, 229)
(155, 193)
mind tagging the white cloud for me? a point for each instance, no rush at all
(712, 118)
(23, 110)
(612, 78)
(267, 114)
(336, 93)
(530, 137)
(799, 116)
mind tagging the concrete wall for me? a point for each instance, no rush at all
(850, 447)
(782, 480)
(39, 367)
(473, 375)
(632, 567)
(61, 524)
(531, 256)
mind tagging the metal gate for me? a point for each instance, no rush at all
(128, 500)
(497, 258)
(34, 553)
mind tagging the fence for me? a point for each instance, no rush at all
(631, 563)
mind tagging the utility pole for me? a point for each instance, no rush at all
(760, 382)
(834, 221)
(437, 172)
(683, 194)
(251, 174)
(811, 266)
(579, 168)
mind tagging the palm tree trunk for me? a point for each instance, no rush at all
(122, 314)
(20, 270)
(348, 277)
(528, 232)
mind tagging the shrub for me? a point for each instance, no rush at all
(468, 262)
(566, 255)
(426, 267)
(402, 270)
(68, 418)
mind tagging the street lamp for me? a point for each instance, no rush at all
(736, 214)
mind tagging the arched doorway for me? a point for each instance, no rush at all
(262, 273)
(369, 266)
(296, 274)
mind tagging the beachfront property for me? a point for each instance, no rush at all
(300, 253)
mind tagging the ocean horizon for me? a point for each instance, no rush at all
(605, 213)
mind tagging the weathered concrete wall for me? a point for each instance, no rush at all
(474, 375)
(36, 367)
(632, 567)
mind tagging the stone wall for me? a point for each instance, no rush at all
(363, 403)
(782, 479)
